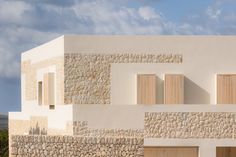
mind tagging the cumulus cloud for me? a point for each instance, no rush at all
(148, 13)
(13, 41)
(103, 18)
(13, 11)
(213, 13)
(25, 24)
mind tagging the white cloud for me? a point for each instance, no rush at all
(13, 41)
(148, 13)
(26, 24)
(213, 13)
(13, 11)
(107, 19)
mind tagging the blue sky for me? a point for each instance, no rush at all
(25, 24)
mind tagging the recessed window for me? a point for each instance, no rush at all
(51, 107)
(40, 93)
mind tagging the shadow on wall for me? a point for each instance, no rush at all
(160, 90)
(194, 94)
(37, 130)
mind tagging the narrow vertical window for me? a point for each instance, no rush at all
(40, 92)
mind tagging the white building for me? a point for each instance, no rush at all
(151, 96)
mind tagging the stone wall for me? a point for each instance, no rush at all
(81, 128)
(87, 76)
(63, 146)
(30, 71)
(102, 142)
(213, 125)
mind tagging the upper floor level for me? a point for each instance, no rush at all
(130, 70)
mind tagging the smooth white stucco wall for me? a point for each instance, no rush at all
(203, 58)
(46, 51)
(147, 44)
(132, 116)
(107, 116)
(57, 118)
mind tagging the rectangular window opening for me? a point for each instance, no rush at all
(40, 92)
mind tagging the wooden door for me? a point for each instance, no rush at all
(146, 89)
(226, 89)
(174, 89)
(171, 152)
(226, 152)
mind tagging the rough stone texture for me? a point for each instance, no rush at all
(29, 70)
(87, 76)
(65, 146)
(213, 125)
(81, 129)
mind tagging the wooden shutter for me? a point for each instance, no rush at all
(226, 152)
(174, 89)
(146, 89)
(226, 89)
(171, 152)
(49, 92)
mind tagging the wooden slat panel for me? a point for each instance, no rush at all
(48, 82)
(226, 89)
(174, 89)
(171, 152)
(232, 151)
(45, 89)
(226, 152)
(146, 89)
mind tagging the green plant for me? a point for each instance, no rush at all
(4, 143)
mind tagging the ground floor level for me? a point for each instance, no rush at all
(41, 145)
(124, 130)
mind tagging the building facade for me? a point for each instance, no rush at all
(147, 96)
